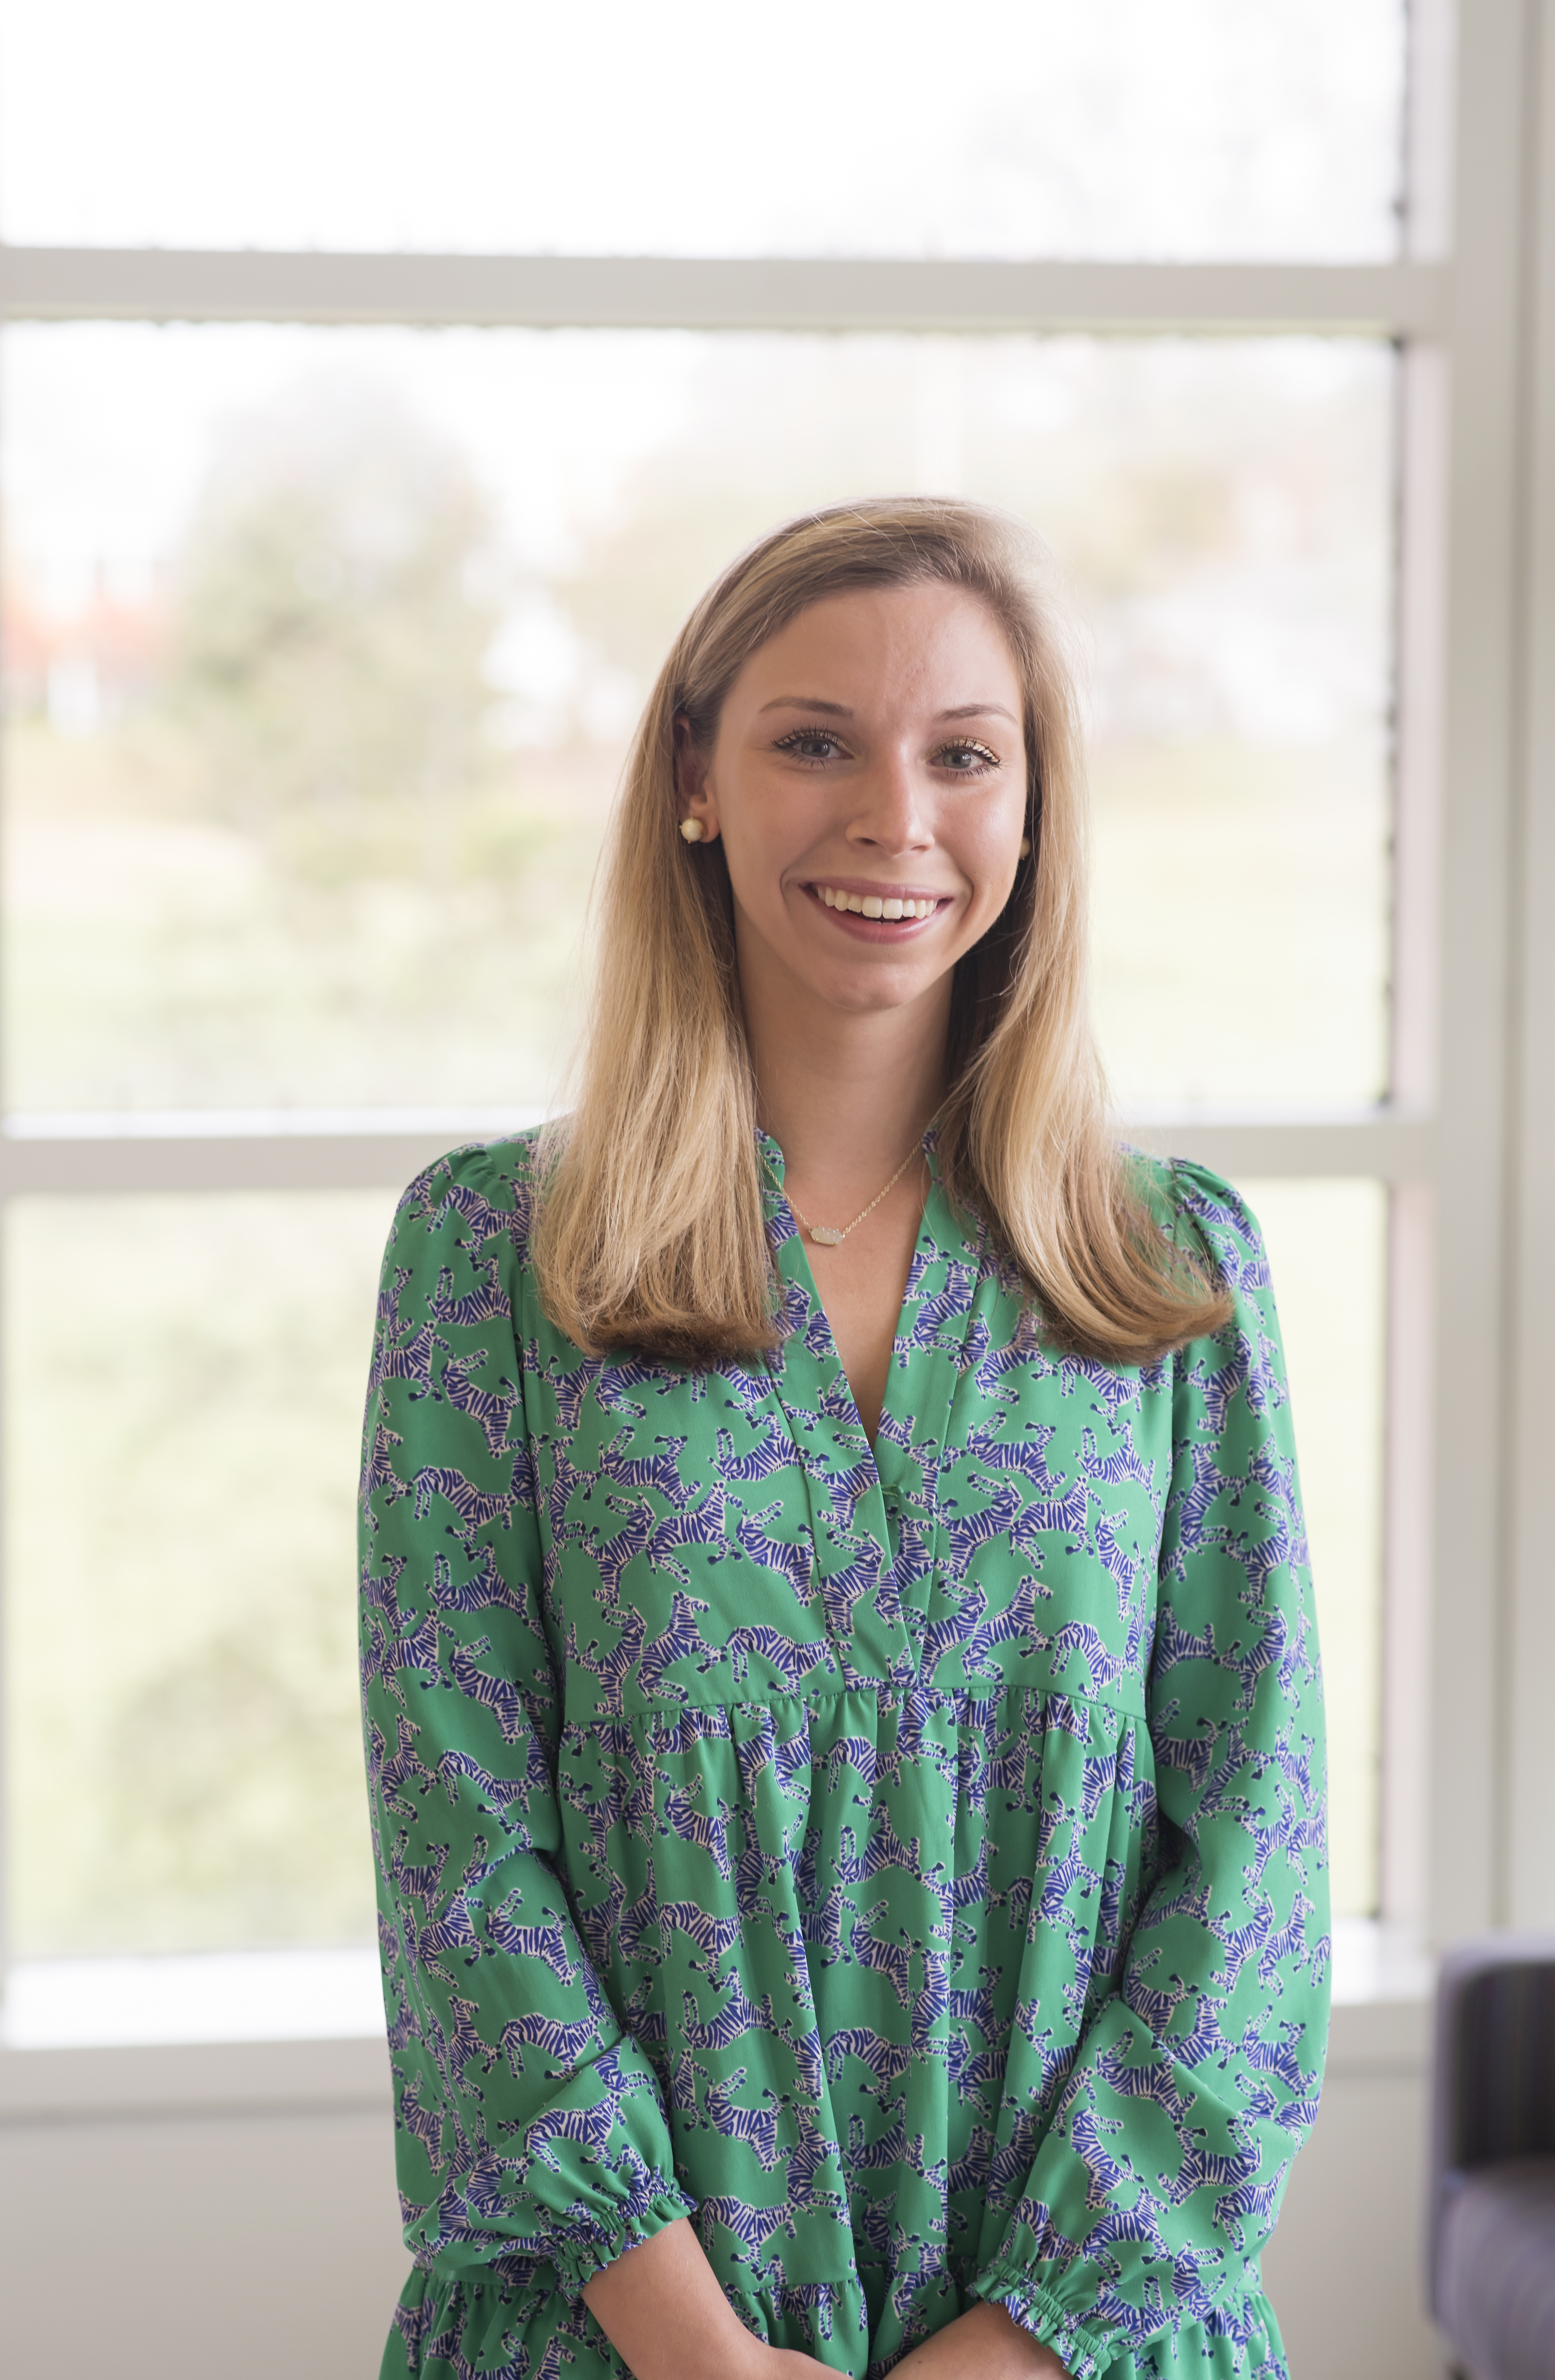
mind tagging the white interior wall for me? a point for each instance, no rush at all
(169, 2214)
(176, 2214)
(1345, 2269)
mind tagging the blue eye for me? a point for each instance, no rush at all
(965, 760)
(813, 744)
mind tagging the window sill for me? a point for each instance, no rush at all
(1375, 1961)
(264, 2033)
(194, 2081)
(218, 1995)
(256, 1995)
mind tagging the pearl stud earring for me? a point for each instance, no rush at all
(1025, 845)
(693, 830)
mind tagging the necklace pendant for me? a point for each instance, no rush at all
(826, 1236)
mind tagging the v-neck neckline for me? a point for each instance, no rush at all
(857, 1491)
(927, 1243)
(908, 1402)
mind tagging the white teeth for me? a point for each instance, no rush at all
(872, 905)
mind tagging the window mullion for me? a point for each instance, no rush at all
(1407, 300)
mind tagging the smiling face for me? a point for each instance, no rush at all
(867, 780)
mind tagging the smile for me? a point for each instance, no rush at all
(891, 907)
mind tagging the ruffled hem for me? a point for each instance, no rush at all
(488, 2320)
(456, 2327)
(499, 2324)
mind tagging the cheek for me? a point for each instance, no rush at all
(769, 832)
(757, 845)
(990, 845)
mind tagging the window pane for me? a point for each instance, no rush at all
(323, 648)
(1327, 1250)
(184, 1411)
(1209, 128)
(185, 1381)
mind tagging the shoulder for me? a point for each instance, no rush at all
(1234, 1377)
(1202, 1214)
(483, 1191)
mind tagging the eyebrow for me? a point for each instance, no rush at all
(841, 711)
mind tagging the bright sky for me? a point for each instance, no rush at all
(1153, 127)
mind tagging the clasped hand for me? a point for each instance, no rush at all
(981, 2344)
(665, 2312)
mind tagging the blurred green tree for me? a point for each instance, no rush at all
(338, 594)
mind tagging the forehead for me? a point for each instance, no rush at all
(940, 647)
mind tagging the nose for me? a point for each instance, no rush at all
(888, 814)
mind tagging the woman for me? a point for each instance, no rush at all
(843, 1705)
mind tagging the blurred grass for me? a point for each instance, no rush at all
(1240, 926)
(169, 960)
(185, 1385)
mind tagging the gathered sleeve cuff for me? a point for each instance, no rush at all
(1083, 2351)
(531, 2132)
(636, 2220)
(1147, 2199)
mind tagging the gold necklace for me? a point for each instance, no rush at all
(827, 1234)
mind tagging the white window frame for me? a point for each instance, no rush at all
(1467, 1142)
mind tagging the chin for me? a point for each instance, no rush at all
(861, 993)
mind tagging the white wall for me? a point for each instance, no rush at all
(1344, 2267)
(181, 2214)
(203, 2214)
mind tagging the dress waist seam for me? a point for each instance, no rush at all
(963, 1703)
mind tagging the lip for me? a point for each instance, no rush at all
(877, 929)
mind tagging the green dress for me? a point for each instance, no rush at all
(909, 1865)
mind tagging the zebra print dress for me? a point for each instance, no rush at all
(909, 1865)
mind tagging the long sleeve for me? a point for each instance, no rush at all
(1159, 2179)
(531, 2134)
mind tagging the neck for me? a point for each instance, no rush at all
(845, 1094)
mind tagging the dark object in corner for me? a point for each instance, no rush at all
(1490, 2248)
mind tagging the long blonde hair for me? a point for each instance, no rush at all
(650, 1233)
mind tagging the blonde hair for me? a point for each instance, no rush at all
(650, 1233)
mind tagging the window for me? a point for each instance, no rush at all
(473, 453)
(1121, 130)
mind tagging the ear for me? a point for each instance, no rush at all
(695, 797)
